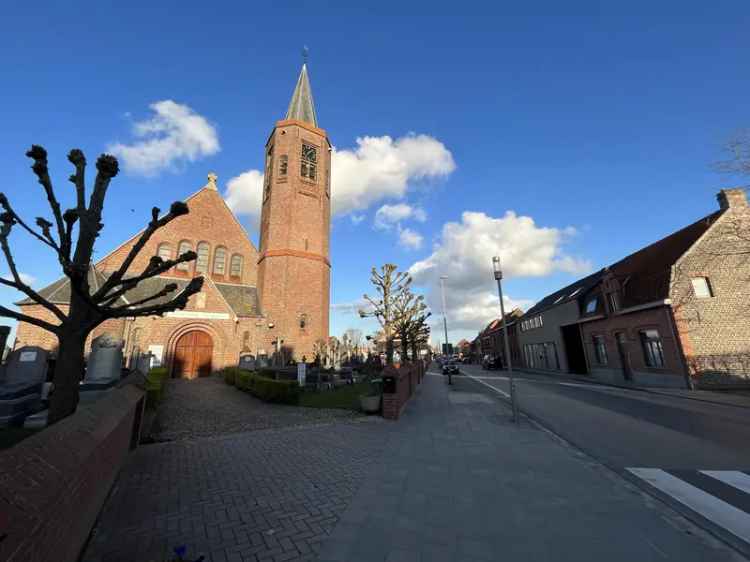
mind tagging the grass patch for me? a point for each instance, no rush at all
(9, 436)
(344, 397)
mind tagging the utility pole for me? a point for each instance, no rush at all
(506, 338)
(445, 320)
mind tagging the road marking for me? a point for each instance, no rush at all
(488, 385)
(712, 508)
(734, 478)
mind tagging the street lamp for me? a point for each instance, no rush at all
(506, 338)
(445, 320)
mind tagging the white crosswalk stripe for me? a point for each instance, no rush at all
(729, 512)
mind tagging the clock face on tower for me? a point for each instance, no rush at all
(309, 153)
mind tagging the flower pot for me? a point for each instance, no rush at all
(370, 404)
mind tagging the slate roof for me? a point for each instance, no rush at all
(301, 106)
(243, 299)
(643, 275)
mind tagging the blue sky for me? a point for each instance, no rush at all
(597, 122)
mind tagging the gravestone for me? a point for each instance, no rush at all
(247, 362)
(104, 366)
(21, 383)
(143, 365)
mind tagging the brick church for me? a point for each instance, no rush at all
(266, 301)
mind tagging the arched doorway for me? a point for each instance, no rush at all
(192, 355)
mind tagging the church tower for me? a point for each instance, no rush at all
(294, 270)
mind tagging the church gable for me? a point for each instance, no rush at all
(225, 252)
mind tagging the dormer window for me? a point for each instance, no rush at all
(614, 302)
(591, 305)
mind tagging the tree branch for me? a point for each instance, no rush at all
(177, 209)
(5, 204)
(8, 313)
(39, 155)
(170, 288)
(179, 302)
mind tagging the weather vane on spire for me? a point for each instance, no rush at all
(305, 53)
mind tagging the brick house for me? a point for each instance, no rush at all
(271, 300)
(491, 340)
(674, 313)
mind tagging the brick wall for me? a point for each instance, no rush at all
(715, 331)
(53, 484)
(407, 376)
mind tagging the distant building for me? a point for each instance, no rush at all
(491, 340)
(672, 314)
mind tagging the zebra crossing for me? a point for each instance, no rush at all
(720, 496)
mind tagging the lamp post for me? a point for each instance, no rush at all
(506, 338)
(445, 320)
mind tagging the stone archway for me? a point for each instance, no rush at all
(193, 352)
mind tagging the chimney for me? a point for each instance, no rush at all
(732, 198)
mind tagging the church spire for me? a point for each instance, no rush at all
(301, 107)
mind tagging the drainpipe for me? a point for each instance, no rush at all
(673, 327)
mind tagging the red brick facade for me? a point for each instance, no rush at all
(250, 299)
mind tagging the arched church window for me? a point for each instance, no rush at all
(246, 341)
(268, 173)
(164, 251)
(201, 263)
(283, 164)
(309, 164)
(235, 267)
(220, 259)
(184, 246)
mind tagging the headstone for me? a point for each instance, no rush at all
(301, 373)
(105, 360)
(21, 384)
(104, 365)
(143, 365)
(4, 332)
(247, 362)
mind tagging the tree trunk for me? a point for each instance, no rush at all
(404, 349)
(69, 368)
(414, 353)
(389, 351)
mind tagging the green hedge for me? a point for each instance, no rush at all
(230, 374)
(268, 390)
(155, 386)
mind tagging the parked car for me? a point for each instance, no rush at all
(450, 368)
(489, 363)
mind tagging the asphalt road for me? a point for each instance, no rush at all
(630, 428)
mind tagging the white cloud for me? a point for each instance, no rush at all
(379, 168)
(409, 239)
(244, 195)
(351, 307)
(464, 253)
(356, 219)
(388, 215)
(173, 135)
(25, 278)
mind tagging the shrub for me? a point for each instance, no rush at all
(268, 390)
(242, 380)
(229, 374)
(155, 386)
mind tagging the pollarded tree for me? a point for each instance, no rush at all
(390, 285)
(410, 313)
(71, 237)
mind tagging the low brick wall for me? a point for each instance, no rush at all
(399, 384)
(53, 484)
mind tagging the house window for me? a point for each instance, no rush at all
(614, 302)
(653, 350)
(181, 249)
(308, 167)
(600, 350)
(235, 267)
(220, 259)
(164, 251)
(283, 164)
(591, 305)
(702, 287)
(201, 263)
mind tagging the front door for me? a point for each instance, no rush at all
(622, 351)
(192, 355)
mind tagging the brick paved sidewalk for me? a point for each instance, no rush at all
(262, 495)
(208, 407)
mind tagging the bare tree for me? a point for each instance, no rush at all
(410, 313)
(389, 284)
(88, 306)
(737, 150)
